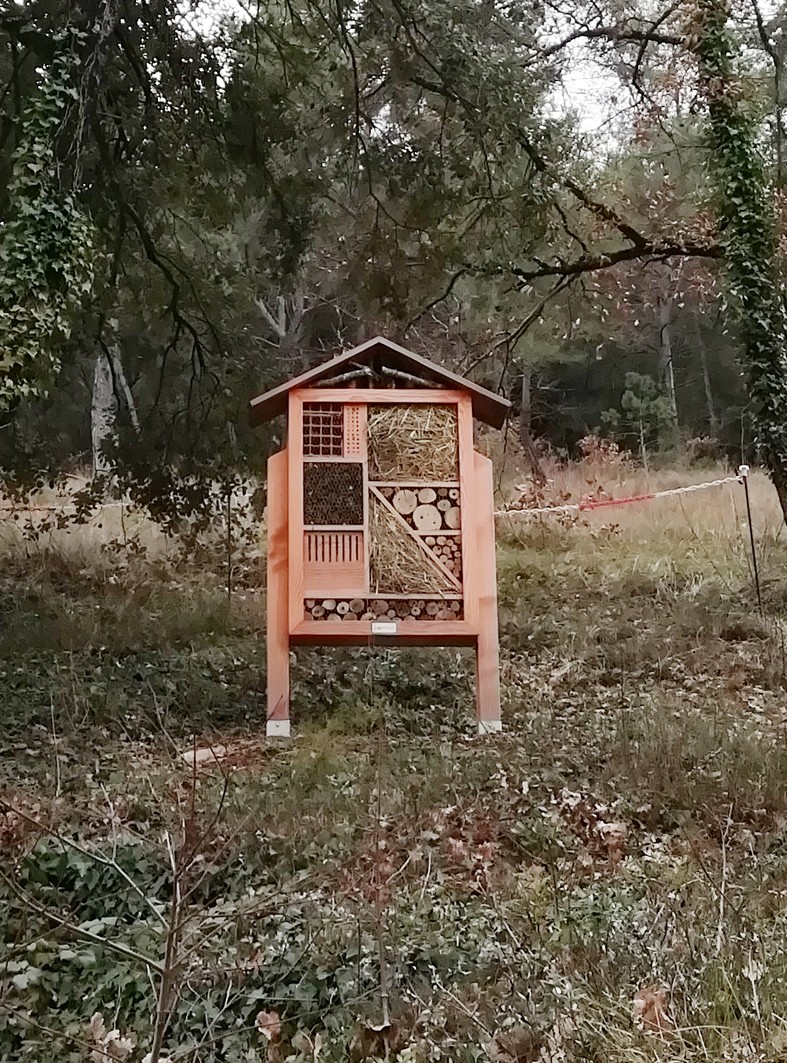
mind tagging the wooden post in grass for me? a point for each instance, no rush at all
(380, 516)
(278, 632)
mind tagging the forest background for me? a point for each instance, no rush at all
(199, 201)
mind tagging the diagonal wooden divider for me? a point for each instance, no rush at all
(430, 557)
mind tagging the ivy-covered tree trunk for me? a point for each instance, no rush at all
(747, 222)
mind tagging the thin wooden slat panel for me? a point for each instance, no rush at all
(469, 513)
(415, 483)
(359, 633)
(295, 492)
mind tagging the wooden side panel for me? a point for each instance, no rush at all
(469, 513)
(487, 651)
(278, 628)
(295, 489)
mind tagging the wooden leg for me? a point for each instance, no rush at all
(487, 647)
(488, 684)
(278, 628)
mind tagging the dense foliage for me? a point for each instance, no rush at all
(209, 201)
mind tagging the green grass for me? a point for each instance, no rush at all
(629, 828)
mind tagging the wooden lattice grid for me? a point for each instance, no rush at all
(323, 429)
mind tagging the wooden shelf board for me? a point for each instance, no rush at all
(436, 597)
(411, 632)
(414, 483)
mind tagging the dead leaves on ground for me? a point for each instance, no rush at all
(651, 1009)
(602, 838)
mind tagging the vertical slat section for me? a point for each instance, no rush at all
(332, 548)
(333, 562)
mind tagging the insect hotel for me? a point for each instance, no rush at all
(380, 516)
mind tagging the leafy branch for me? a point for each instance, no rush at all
(47, 249)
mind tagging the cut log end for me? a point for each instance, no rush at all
(426, 518)
(453, 517)
(405, 501)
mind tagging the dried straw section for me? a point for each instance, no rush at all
(414, 443)
(397, 563)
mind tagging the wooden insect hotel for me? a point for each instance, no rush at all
(380, 515)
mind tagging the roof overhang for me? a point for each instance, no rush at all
(375, 354)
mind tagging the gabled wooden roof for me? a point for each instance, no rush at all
(378, 354)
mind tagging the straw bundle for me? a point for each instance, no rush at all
(413, 442)
(398, 565)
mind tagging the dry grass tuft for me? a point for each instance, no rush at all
(413, 443)
(661, 534)
(398, 565)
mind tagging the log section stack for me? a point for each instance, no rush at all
(399, 609)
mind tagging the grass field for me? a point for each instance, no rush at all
(607, 880)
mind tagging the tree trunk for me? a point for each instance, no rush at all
(525, 432)
(713, 421)
(665, 361)
(642, 448)
(779, 477)
(747, 219)
(287, 324)
(121, 384)
(109, 380)
(103, 415)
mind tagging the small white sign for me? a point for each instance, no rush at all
(384, 627)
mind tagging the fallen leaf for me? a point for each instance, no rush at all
(650, 1007)
(268, 1023)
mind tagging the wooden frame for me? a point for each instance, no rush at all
(292, 580)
